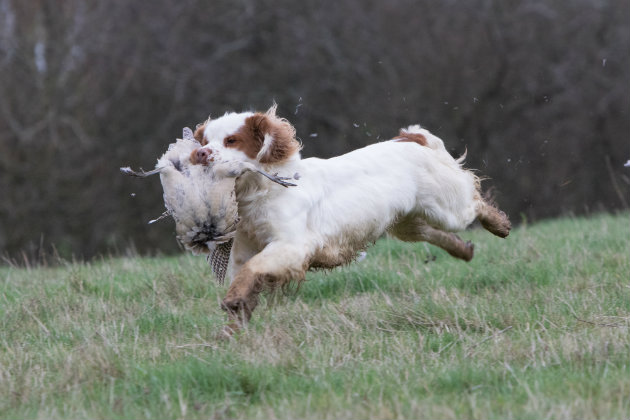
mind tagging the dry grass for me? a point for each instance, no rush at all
(536, 326)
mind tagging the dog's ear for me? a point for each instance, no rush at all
(276, 137)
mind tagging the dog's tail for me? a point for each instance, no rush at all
(430, 140)
(425, 138)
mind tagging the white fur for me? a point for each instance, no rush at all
(216, 131)
(265, 148)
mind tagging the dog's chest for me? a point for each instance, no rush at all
(256, 222)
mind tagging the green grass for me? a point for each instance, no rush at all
(536, 326)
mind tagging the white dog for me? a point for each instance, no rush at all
(409, 186)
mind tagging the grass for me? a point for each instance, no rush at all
(536, 326)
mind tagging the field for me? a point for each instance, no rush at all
(536, 326)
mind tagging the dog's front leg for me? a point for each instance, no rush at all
(276, 265)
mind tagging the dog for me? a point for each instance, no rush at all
(409, 187)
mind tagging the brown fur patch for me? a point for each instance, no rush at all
(250, 138)
(284, 144)
(193, 157)
(198, 135)
(403, 136)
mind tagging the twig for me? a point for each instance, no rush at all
(386, 330)
(39, 322)
(597, 323)
(448, 346)
(192, 345)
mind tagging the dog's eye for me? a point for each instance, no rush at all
(230, 140)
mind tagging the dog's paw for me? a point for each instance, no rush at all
(469, 251)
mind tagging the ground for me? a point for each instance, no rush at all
(536, 326)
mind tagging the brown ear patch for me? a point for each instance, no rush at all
(404, 136)
(198, 135)
(283, 144)
(250, 139)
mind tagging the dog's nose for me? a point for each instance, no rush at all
(201, 156)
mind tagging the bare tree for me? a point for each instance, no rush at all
(535, 90)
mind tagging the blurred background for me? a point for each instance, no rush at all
(537, 91)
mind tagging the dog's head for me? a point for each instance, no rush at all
(254, 137)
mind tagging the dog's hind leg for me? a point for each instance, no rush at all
(415, 229)
(493, 220)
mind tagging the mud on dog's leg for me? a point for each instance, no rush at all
(276, 265)
(416, 229)
(493, 220)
